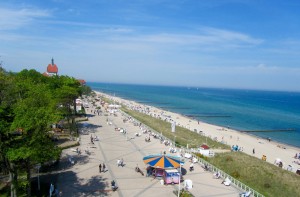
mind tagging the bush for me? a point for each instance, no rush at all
(228, 158)
(236, 174)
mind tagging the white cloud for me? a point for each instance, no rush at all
(16, 18)
(226, 35)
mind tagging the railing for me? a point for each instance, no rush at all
(224, 175)
(212, 168)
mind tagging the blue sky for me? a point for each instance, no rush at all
(204, 43)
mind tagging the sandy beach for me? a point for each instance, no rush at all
(273, 150)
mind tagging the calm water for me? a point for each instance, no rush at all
(243, 110)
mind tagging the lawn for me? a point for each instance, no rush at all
(261, 176)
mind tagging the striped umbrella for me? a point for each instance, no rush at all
(162, 161)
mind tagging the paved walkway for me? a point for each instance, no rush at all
(84, 179)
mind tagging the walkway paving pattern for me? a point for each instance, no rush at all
(84, 179)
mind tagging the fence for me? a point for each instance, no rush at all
(211, 167)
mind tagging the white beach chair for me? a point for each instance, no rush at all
(245, 194)
(187, 155)
(195, 160)
(188, 184)
(227, 182)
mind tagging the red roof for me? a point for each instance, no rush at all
(204, 146)
(52, 68)
(82, 81)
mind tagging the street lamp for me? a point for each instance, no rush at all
(38, 166)
(179, 179)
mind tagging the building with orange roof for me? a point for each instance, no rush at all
(52, 69)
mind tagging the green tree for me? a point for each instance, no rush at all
(67, 94)
(33, 115)
(29, 104)
(7, 100)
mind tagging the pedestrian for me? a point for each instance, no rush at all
(122, 162)
(253, 151)
(100, 167)
(103, 165)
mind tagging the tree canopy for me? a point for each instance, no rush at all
(29, 104)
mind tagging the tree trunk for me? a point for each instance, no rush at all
(28, 178)
(75, 107)
(13, 178)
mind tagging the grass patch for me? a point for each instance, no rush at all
(183, 135)
(263, 177)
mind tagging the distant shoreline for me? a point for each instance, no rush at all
(241, 110)
(248, 141)
(167, 109)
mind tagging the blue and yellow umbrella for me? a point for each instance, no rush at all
(162, 161)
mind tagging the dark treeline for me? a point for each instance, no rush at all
(29, 104)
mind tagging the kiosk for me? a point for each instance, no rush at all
(171, 176)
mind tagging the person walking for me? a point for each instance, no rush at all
(122, 162)
(253, 151)
(103, 167)
(100, 167)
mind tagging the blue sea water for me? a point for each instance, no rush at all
(243, 110)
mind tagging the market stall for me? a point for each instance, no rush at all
(171, 176)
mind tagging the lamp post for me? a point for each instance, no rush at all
(38, 166)
(179, 179)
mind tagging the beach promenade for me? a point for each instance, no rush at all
(249, 144)
(84, 179)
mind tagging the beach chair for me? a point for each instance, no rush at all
(188, 184)
(195, 160)
(217, 175)
(187, 155)
(227, 181)
(245, 194)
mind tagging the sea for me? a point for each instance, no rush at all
(266, 114)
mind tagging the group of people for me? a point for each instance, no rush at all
(102, 168)
(96, 111)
